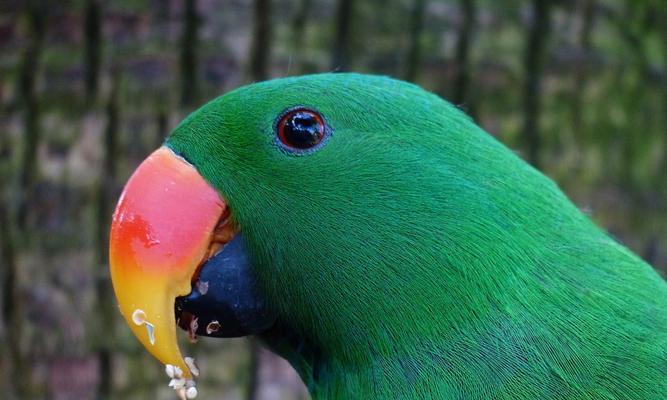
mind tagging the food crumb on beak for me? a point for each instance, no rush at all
(191, 392)
(212, 326)
(192, 331)
(170, 370)
(185, 388)
(151, 332)
(190, 362)
(202, 287)
(139, 318)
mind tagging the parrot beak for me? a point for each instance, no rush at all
(163, 229)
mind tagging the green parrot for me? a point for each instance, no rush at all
(374, 236)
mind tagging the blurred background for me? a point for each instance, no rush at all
(89, 87)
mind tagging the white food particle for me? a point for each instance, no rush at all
(212, 326)
(202, 287)
(139, 317)
(151, 332)
(185, 388)
(191, 392)
(190, 362)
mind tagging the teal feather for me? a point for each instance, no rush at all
(414, 256)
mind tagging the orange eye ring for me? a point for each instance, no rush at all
(301, 129)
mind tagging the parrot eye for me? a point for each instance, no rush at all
(301, 129)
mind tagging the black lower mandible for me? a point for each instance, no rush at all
(225, 299)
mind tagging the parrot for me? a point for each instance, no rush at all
(374, 236)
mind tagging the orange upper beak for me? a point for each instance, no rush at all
(161, 231)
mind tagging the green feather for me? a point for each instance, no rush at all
(413, 256)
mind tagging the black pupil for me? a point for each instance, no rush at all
(303, 130)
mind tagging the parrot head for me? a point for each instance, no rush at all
(337, 216)
(296, 203)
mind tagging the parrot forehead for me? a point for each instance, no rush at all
(338, 94)
(375, 105)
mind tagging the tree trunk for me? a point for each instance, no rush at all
(534, 65)
(261, 41)
(299, 24)
(581, 74)
(161, 127)
(413, 60)
(12, 312)
(462, 80)
(340, 59)
(36, 12)
(12, 305)
(92, 49)
(189, 43)
(105, 301)
(651, 250)
(253, 372)
(574, 143)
